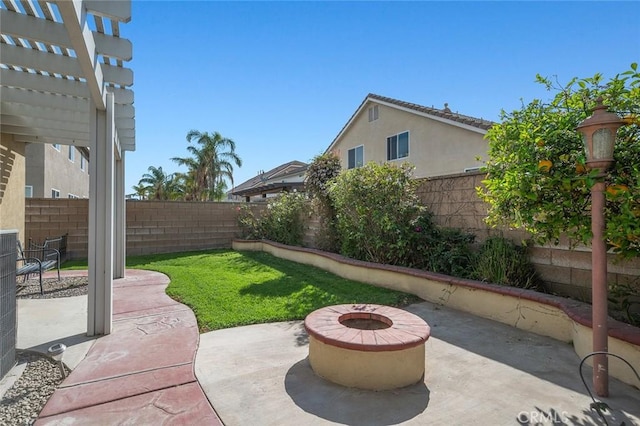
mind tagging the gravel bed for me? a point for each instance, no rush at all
(66, 287)
(22, 403)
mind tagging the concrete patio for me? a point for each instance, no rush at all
(477, 371)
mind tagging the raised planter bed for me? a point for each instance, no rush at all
(561, 318)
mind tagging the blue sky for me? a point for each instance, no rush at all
(282, 78)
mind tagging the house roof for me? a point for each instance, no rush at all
(444, 115)
(264, 182)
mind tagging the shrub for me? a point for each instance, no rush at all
(282, 221)
(451, 253)
(624, 300)
(500, 261)
(376, 208)
(250, 225)
(322, 170)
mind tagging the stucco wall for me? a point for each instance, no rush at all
(49, 168)
(435, 148)
(12, 178)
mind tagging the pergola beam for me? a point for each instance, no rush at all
(44, 139)
(76, 22)
(50, 133)
(116, 10)
(57, 64)
(43, 100)
(34, 112)
(55, 33)
(43, 124)
(43, 83)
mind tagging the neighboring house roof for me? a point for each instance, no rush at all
(444, 115)
(274, 180)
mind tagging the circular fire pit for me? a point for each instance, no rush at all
(367, 346)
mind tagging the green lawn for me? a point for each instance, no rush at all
(227, 288)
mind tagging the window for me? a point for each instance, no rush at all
(72, 153)
(82, 162)
(73, 196)
(398, 146)
(373, 113)
(356, 157)
(56, 146)
(55, 193)
(28, 191)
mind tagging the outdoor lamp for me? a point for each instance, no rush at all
(56, 351)
(599, 135)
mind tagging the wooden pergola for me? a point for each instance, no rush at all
(63, 80)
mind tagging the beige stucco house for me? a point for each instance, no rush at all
(56, 171)
(436, 141)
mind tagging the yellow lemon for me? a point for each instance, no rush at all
(545, 165)
(617, 189)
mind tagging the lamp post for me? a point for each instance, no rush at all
(599, 135)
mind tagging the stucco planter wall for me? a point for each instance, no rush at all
(560, 318)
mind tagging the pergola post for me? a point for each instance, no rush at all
(119, 236)
(101, 219)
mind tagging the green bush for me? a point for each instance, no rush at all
(451, 253)
(282, 221)
(322, 170)
(500, 261)
(250, 224)
(624, 299)
(375, 207)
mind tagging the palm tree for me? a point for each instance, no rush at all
(210, 165)
(158, 185)
(141, 191)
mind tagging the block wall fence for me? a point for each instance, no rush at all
(174, 226)
(152, 226)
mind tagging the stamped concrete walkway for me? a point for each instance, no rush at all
(477, 372)
(143, 372)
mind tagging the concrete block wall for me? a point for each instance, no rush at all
(565, 270)
(176, 226)
(152, 226)
(47, 217)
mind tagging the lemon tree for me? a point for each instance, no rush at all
(536, 173)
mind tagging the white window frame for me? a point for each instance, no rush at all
(55, 193)
(355, 159)
(373, 113)
(72, 153)
(28, 191)
(73, 196)
(397, 136)
(56, 146)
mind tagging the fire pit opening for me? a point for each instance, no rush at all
(365, 321)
